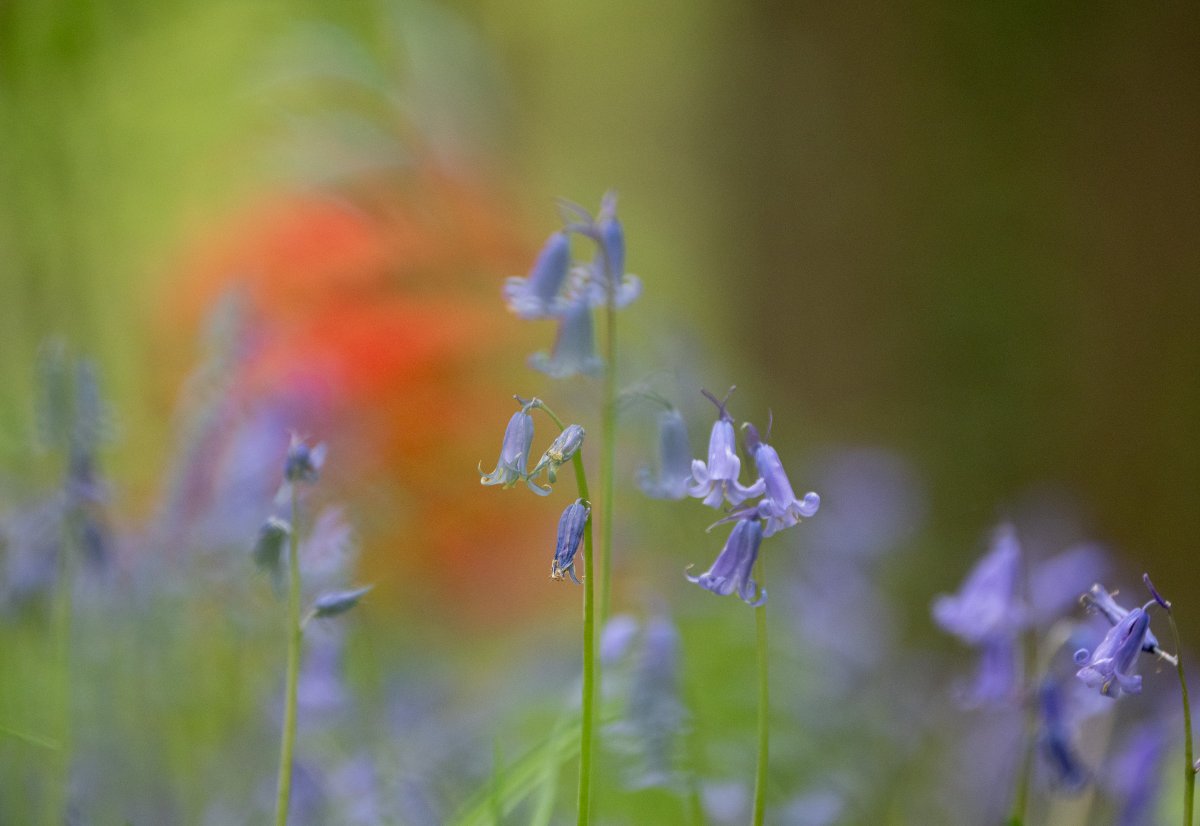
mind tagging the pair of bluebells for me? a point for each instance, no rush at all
(511, 469)
(558, 290)
(717, 481)
(302, 466)
(1110, 665)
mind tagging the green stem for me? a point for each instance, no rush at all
(60, 799)
(1189, 776)
(760, 774)
(608, 450)
(295, 632)
(591, 665)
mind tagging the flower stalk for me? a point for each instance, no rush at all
(760, 773)
(295, 634)
(1189, 764)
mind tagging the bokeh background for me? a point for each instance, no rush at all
(952, 248)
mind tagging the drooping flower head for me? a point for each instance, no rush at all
(987, 604)
(1110, 666)
(717, 480)
(574, 349)
(731, 573)
(675, 460)
(570, 532)
(1098, 599)
(561, 450)
(539, 294)
(303, 463)
(514, 451)
(780, 504)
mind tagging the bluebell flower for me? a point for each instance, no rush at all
(997, 675)
(610, 261)
(718, 480)
(782, 508)
(540, 295)
(1054, 740)
(338, 602)
(1102, 602)
(514, 451)
(570, 532)
(268, 549)
(675, 460)
(731, 573)
(303, 463)
(1109, 667)
(986, 605)
(561, 450)
(574, 345)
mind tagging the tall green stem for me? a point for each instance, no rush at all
(60, 798)
(295, 633)
(760, 774)
(591, 664)
(1189, 775)
(608, 450)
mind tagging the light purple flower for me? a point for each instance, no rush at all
(574, 349)
(718, 480)
(1109, 667)
(1054, 740)
(538, 295)
(570, 532)
(986, 605)
(514, 452)
(675, 460)
(731, 573)
(780, 505)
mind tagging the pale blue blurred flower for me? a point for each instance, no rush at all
(987, 603)
(675, 460)
(610, 259)
(574, 350)
(1054, 739)
(540, 294)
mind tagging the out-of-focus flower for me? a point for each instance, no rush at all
(675, 460)
(731, 573)
(987, 604)
(717, 480)
(268, 549)
(1098, 599)
(574, 349)
(1134, 775)
(782, 508)
(514, 453)
(561, 451)
(609, 263)
(303, 463)
(570, 532)
(1054, 740)
(1109, 666)
(338, 602)
(539, 295)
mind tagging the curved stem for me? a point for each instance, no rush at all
(760, 774)
(1189, 779)
(591, 666)
(295, 632)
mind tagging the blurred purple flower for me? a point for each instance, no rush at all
(538, 296)
(303, 463)
(610, 260)
(570, 532)
(675, 460)
(731, 573)
(1109, 667)
(1054, 740)
(718, 480)
(780, 505)
(574, 349)
(514, 452)
(1134, 775)
(987, 604)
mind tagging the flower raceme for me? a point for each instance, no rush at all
(570, 532)
(717, 480)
